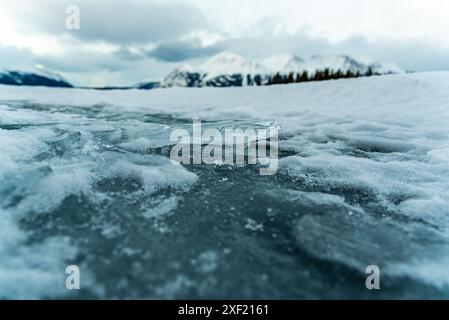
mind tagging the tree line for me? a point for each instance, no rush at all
(319, 75)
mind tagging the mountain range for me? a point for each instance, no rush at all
(46, 79)
(225, 69)
(229, 69)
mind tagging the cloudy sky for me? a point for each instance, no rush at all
(125, 42)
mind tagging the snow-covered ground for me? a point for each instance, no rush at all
(363, 179)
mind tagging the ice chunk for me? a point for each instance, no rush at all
(156, 177)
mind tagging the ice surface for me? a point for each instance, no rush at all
(363, 179)
(43, 165)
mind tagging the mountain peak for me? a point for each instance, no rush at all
(283, 63)
(24, 78)
(229, 63)
(230, 69)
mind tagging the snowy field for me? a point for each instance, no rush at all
(363, 180)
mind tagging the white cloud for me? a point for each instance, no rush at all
(112, 21)
(335, 20)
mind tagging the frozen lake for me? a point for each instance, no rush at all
(363, 180)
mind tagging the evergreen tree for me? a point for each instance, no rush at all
(277, 79)
(338, 74)
(249, 81)
(305, 76)
(318, 75)
(326, 74)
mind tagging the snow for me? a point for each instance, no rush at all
(372, 102)
(384, 68)
(364, 161)
(283, 63)
(289, 63)
(180, 77)
(154, 177)
(333, 62)
(228, 63)
(286, 64)
(42, 71)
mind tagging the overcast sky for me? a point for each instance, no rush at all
(125, 42)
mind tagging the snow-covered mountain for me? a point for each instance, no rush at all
(230, 69)
(184, 76)
(20, 78)
(228, 63)
(342, 63)
(283, 63)
(222, 70)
